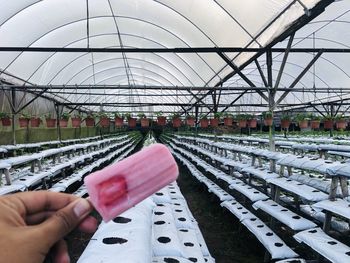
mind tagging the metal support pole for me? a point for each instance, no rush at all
(332, 114)
(13, 108)
(58, 116)
(196, 117)
(271, 99)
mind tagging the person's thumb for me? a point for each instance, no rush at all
(65, 220)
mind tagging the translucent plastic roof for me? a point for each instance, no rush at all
(162, 24)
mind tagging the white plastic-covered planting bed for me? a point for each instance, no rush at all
(298, 187)
(159, 229)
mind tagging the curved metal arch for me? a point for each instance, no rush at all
(238, 23)
(122, 67)
(331, 21)
(122, 75)
(157, 55)
(174, 95)
(136, 76)
(325, 39)
(131, 59)
(125, 17)
(189, 20)
(21, 10)
(161, 57)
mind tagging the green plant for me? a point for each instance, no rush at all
(340, 117)
(285, 117)
(48, 116)
(302, 117)
(314, 117)
(228, 115)
(118, 115)
(103, 115)
(4, 115)
(250, 116)
(203, 116)
(175, 116)
(91, 115)
(189, 116)
(65, 116)
(141, 115)
(127, 115)
(25, 116)
(159, 114)
(77, 115)
(242, 117)
(328, 117)
(267, 114)
(217, 115)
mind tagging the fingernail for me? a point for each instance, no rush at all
(82, 207)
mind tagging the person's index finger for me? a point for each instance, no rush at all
(34, 202)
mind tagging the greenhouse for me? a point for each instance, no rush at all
(107, 102)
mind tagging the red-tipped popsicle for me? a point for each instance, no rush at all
(118, 187)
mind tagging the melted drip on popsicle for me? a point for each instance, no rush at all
(112, 191)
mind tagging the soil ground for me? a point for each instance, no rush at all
(227, 240)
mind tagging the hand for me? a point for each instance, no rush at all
(33, 224)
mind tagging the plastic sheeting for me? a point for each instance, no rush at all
(276, 247)
(144, 24)
(339, 207)
(325, 245)
(284, 215)
(304, 191)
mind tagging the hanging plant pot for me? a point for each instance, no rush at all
(268, 121)
(76, 122)
(315, 124)
(6, 122)
(328, 124)
(214, 122)
(190, 122)
(161, 120)
(303, 124)
(285, 124)
(90, 122)
(35, 122)
(144, 122)
(50, 123)
(228, 121)
(176, 122)
(104, 122)
(23, 122)
(242, 123)
(341, 124)
(132, 122)
(118, 122)
(63, 123)
(204, 123)
(252, 123)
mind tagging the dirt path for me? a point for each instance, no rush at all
(227, 239)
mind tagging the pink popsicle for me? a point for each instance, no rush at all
(118, 187)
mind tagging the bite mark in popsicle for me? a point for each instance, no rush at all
(112, 191)
(118, 187)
